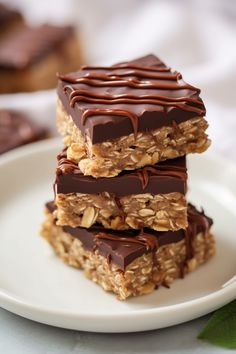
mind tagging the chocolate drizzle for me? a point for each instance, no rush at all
(120, 208)
(198, 222)
(160, 170)
(122, 247)
(161, 68)
(66, 166)
(164, 177)
(142, 238)
(115, 112)
(113, 91)
(198, 218)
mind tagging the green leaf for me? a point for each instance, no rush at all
(221, 328)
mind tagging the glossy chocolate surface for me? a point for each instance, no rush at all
(141, 95)
(122, 247)
(164, 177)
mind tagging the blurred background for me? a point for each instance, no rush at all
(198, 38)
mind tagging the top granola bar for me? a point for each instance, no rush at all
(131, 99)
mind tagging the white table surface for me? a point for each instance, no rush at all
(22, 336)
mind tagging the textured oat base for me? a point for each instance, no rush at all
(109, 158)
(143, 275)
(159, 212)
(42, 75)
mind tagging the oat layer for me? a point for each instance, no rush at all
(109, 158)
(159, 212)
(143, 275)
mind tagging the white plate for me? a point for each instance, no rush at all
(36, 284)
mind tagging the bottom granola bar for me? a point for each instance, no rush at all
(132, 263)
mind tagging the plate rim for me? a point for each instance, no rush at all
(220, 292)
(85, 322)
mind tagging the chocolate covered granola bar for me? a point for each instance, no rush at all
(152, 196)
(129, 115)
(132, 263)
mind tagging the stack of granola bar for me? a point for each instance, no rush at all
(120, 211)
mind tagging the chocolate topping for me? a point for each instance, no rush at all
(122, 247)
(141, 95)
(16, 129)
(164, 177)
(8, 15)
(29, 44)
(50, 206)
